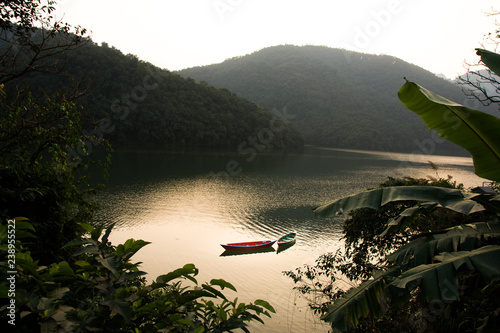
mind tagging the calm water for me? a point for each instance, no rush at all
(175, 202)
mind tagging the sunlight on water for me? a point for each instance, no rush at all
(171, 201)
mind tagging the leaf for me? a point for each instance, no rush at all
(87, 227)
(89, 249)
(110, 263)
(191, 295)
(222, 284)
(21, 234)
(185, 322)
(104, 238)
(96, 233)
(490, 59)
(476, 131)
(358, 303)
(408, 214)
(446, 197)
(59, 292)
(119, 306)
(178, 273)
(215, 293)
(48, 326)
(62, 271)
(131, 246)
(438, 279)
(465, 237)
(265, 305)
(23, 224)
(76, 242)
(45, 304)
(24, 314)
(83, 263)
(61, 312)
(489, 202)
(130, 276)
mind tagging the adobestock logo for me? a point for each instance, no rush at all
(254, 144)
(120, 110)
(222, 7)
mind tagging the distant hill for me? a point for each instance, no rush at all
(336, 97)
(139, 104)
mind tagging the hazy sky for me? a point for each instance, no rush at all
(437, 35)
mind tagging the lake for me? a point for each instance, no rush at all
(187, 204)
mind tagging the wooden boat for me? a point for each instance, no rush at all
(248, 245)
(288, 239)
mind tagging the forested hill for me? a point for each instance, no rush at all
(338, 98)
(133, 102)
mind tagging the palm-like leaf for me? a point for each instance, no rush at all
(476, 131)
(465, 237)
(365, 300)
(438, 279)
(450, 198)
(490, 59)
(408, 215)
(460, 246)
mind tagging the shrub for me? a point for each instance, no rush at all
(103, 290)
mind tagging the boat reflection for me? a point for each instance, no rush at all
(285, 247)
(227, 253)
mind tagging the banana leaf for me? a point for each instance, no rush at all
(438, 279)
(367, 299)
(476, 131)
(408, 215)
(449, 198)
(490, 59)
(466, 237)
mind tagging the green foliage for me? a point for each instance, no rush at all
(449, 198)
(466, 237)
(46, 150)
(438, 279)
(339, 98)
(43, 148)
(133, 103)
(422, 234)
(471, 129)
(430, 264)
(39, 177)
(490, 59)
(102, 290)
(360, 302)
(31, 38)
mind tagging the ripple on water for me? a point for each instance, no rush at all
(187, 217)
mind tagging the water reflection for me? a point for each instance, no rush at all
(285, 247)
(171, 201)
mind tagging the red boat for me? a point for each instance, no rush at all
(248, 245)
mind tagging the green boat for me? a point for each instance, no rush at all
(288, 239)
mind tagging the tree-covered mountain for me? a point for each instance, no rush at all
(132, 102)
(338, 98)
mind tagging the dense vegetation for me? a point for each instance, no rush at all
(420, 255)
(132, 102)
(58, 272)
(100, 289)
(339, 98)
